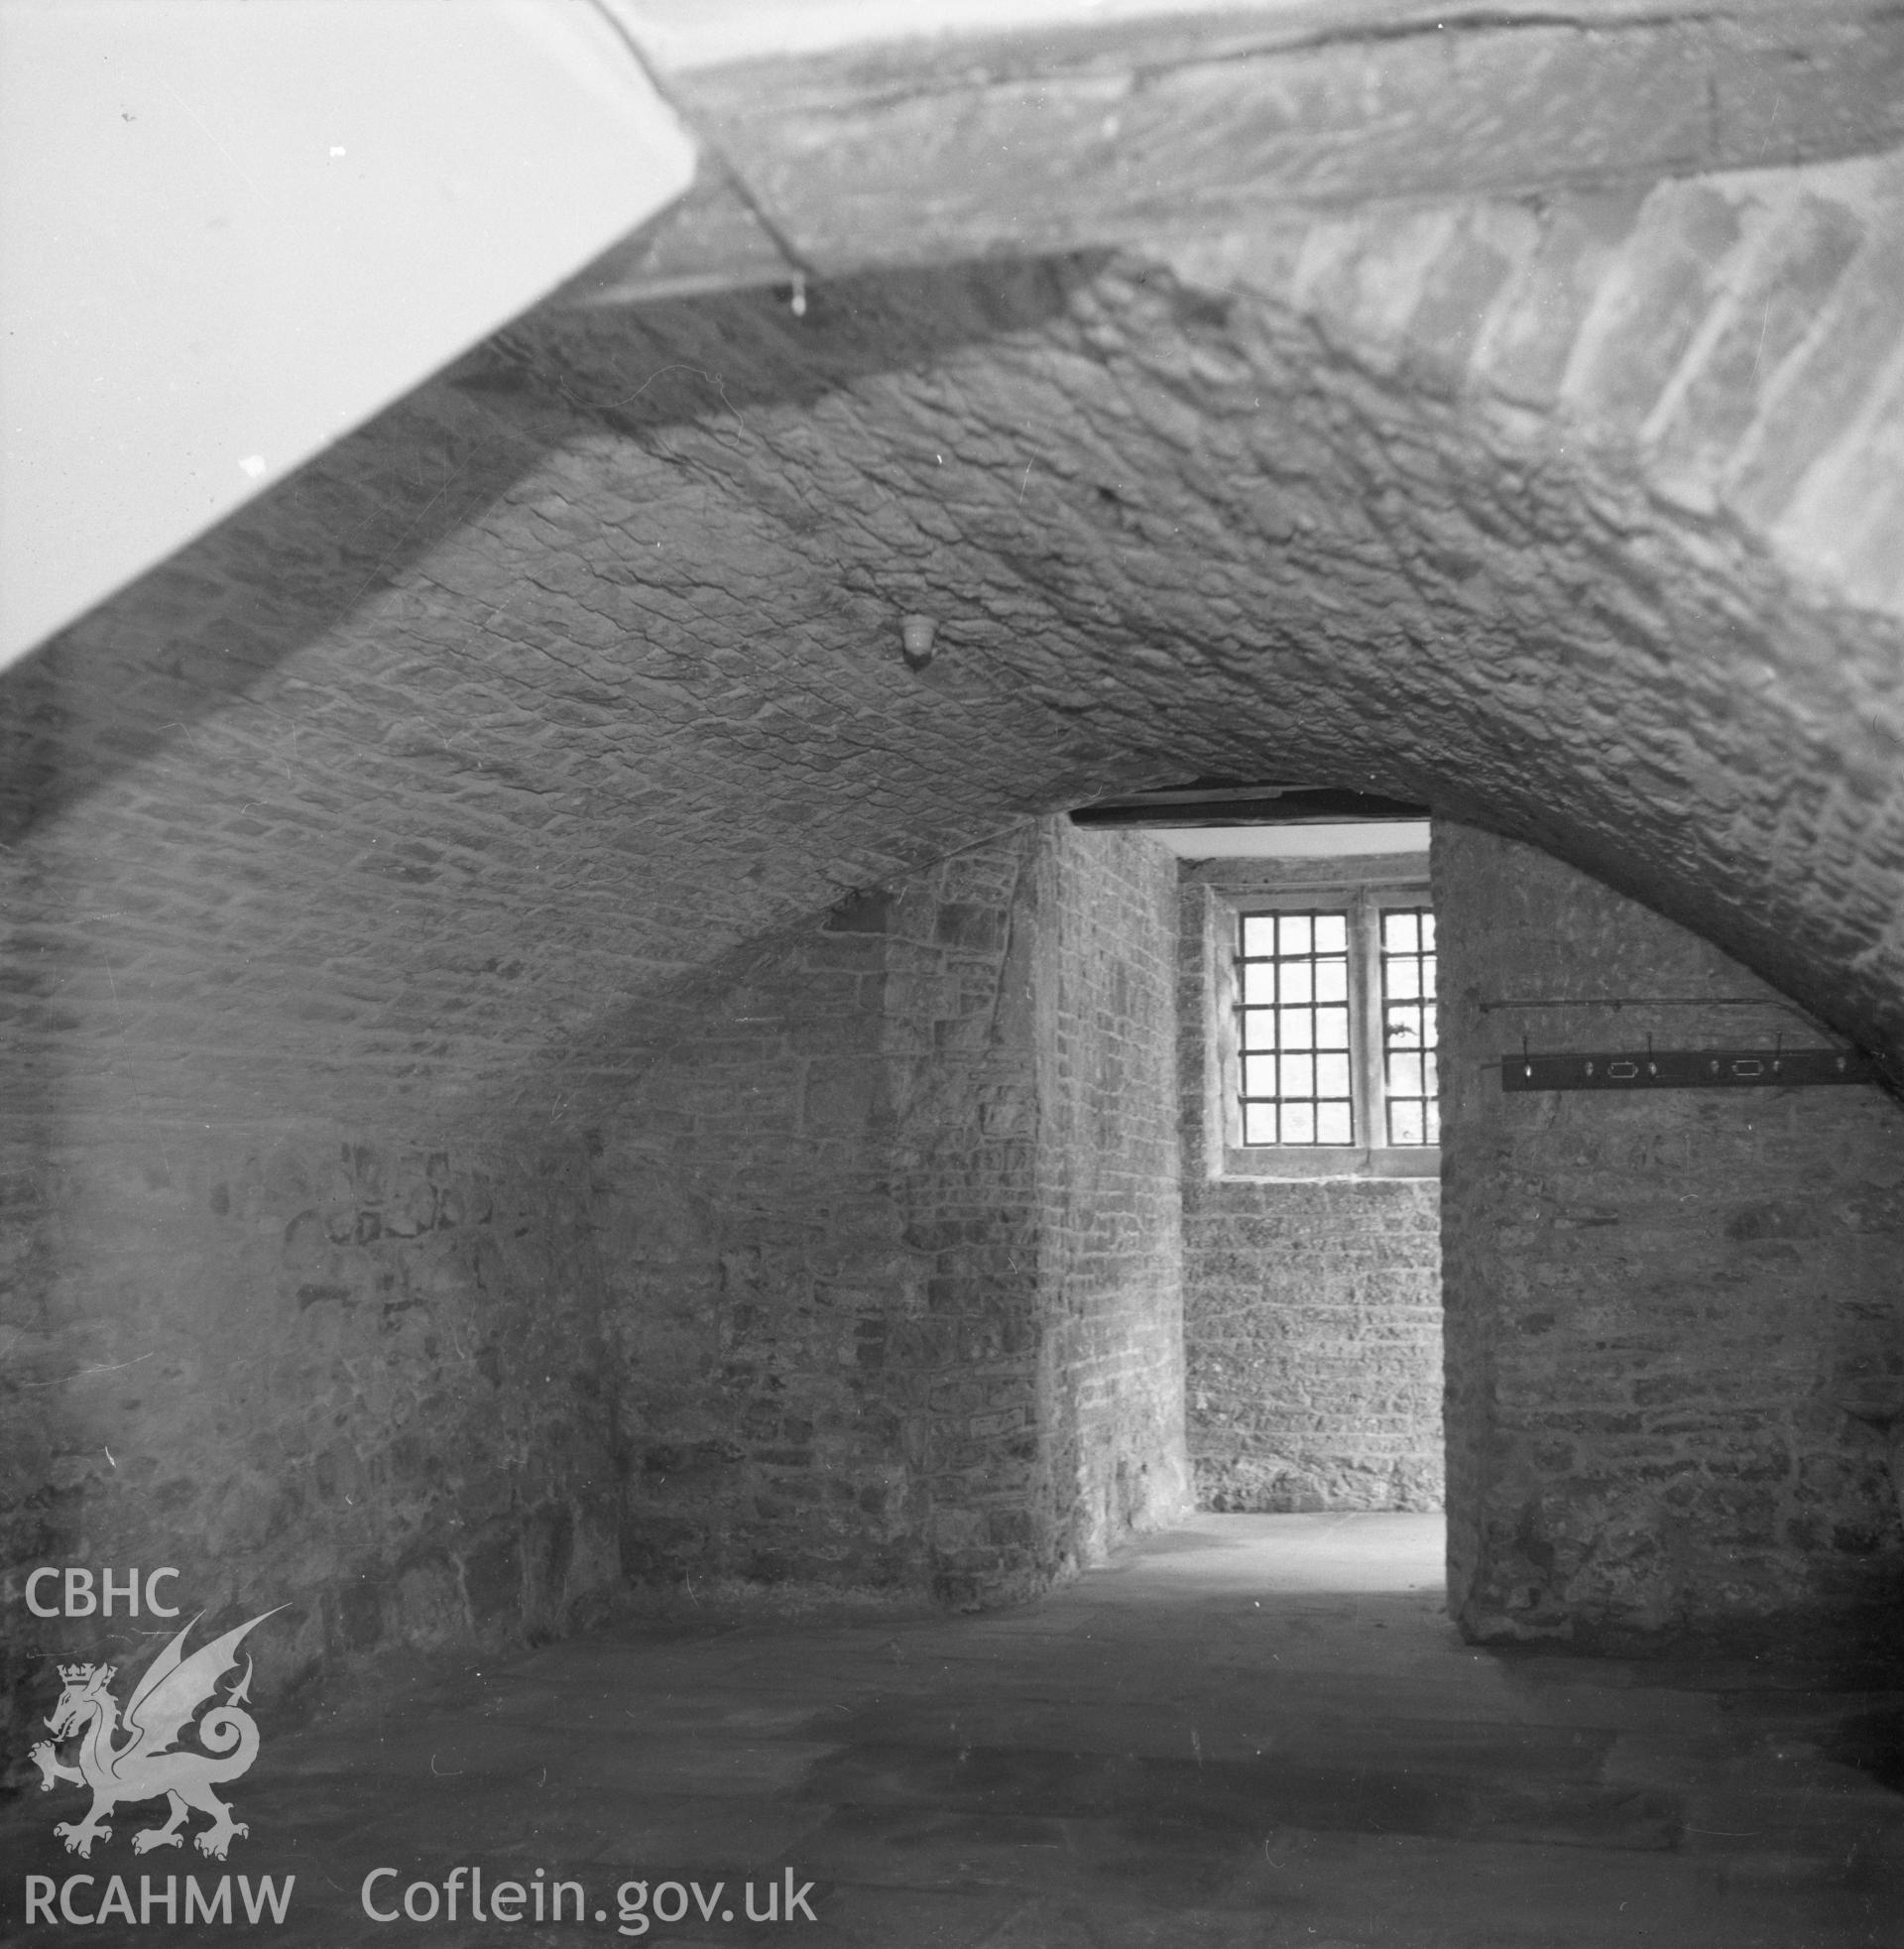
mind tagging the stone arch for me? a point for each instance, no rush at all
(1482, 503)
(1569, 515)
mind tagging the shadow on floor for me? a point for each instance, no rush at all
(1254, 1731)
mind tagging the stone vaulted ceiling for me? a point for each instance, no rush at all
(1576, 511)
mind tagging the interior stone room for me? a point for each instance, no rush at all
(566, 1048)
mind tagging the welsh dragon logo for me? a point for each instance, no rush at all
(151, 1762)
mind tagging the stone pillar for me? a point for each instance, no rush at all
(1675, 1326)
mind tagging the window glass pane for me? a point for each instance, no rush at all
(1434, 1123)
(1431, 1078)
(1408, 1025)
(1298, 1068)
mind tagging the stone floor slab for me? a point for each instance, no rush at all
(1254, 1730)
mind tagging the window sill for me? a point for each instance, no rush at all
(1293, 1162)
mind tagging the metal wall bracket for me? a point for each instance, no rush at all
(1778, 1068)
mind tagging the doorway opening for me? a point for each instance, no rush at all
(1311, 1167)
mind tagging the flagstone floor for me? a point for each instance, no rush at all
(1252, 1731)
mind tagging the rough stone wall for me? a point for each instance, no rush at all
(359, 1379)
(1111, 1247)
(837, 1271)
(809, 1241)
(890, 1255)
(964, 1159)
(1313, 1344)
(1312, 1306)
(1675, 1320)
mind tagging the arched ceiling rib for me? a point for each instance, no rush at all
(583, 664)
